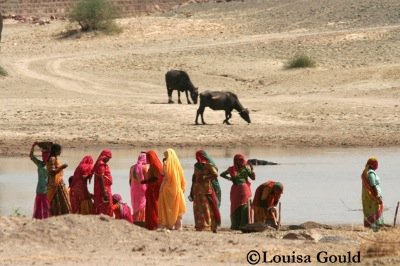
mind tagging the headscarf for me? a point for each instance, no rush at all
(203, 157)
(173, 169)
(278, 187)
(141, 161)
(372, 163)
(238, 162)
(104, 154)
(154, 161)
(85, 168)
(116, 197)
(156, 164)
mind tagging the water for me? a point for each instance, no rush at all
(321, 185)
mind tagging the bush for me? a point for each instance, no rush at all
(17, 213)
(3, 72)
(300, 60)
(94, 15)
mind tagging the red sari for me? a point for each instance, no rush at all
(102, 170)
(80, 197)
(153, 180)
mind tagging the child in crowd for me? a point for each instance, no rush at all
(121, 210)
(41, 209)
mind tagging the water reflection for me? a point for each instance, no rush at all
(322, 185)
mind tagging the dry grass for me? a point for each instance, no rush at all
(3, 72)
(385, 243)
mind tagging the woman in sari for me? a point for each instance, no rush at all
(57, 193)
(372, 195)
(172, 203)
(41, 209)
(205, 201)
(102, 184)
(153, 180)
(121, 210)
(81, 200)
(137, 174)
(240, 196)
(266, 198)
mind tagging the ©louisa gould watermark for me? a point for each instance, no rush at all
(255, 257)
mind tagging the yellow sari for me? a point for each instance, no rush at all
(171, 202)
(57, 193)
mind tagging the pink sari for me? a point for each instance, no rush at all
(138, 190)
(41, 208)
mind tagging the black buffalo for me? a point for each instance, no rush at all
(221, 100)
(179, 80)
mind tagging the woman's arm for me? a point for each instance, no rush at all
(103, 188)
(252, 175)
(32, 150)
(131, 175)
(55, 170)
(212, 172)
(373, 182)
(149, 177)
(225, 174)
(35, 160)
(376, 194)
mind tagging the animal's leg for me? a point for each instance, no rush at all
(200, 112)
(170, 96)
(179, 97)
(228, 116)
(197, 117)
(187, 97)
(202, 119)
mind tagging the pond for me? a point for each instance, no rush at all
(321, 185)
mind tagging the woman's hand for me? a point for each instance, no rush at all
(105, 198)
(380, 200)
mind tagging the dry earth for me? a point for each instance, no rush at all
(100, 240)
(98, 90)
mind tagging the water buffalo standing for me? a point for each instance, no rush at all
(221, 100)
(179, 80)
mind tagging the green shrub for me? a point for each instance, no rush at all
(17, 213)
(94, 15)
(3, 72)
(300, 60)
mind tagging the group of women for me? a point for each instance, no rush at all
(157, 191)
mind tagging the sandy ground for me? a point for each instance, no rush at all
(95, 90)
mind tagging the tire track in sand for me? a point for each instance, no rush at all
(52, 72)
